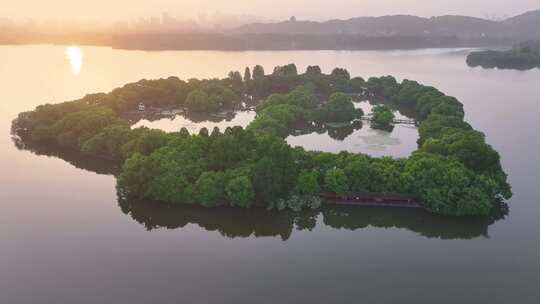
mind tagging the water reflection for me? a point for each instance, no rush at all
(193, 122)
(256, 222)
(341, 133)
(360, 137)
(338, 132)
(75, 57)
(88, 163)
(379, 140)
(357, 138)
(79, 240)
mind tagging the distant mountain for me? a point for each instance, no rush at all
(525, 25)
(405, 25)
(368, 26)
(362, 33)
(466, 26)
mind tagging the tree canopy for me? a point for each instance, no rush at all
(339, 108)
(382, 116)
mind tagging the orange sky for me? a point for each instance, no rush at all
(109, 10)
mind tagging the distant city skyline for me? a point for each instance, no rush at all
(106, 11)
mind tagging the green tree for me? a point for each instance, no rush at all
(137, 173)
(285, 71)
(204, 132)
(199, 101)
(145, 141)
(359, 174)
(341, 80)
(171, 184)
(447, 187)
(215, 132)
(339, 108)
(313, 70)
(308, 183)
(435, 126)
(258, 72)
(240, 191)
(108, 142)
(236, 81)
(357, 85)
(274, 174)
(247, 75)
(184, 132)
(210, 189)
(382, 116)
(335, 181)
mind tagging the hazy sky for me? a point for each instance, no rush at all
(108, 10)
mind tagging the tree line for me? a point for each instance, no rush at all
(523, 56)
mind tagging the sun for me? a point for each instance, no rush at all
(75, 57)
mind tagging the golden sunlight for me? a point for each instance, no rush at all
(75, 57)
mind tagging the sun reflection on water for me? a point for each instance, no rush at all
(75, 57)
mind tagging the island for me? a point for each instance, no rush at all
(383, 117)
(453, 172)
(524, 56)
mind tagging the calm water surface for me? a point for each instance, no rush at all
(65, 238)
(398, 142)
(358, 137)
(195, 124)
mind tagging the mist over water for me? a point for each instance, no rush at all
(66, 238)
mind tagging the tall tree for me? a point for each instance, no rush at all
(236, 81)
(240, 191)
(313, 70)
(247, 75)
(258, 72)
(286, 70)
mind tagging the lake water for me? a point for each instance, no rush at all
(358, 137)
(65, 238)
(195, 123)
(398, 142)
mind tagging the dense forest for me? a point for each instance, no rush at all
(524, 56)
(454, 171)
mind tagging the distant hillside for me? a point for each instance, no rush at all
(406, 25)
(466, 26)
(526, 25)
(362, 33)
(368, 26)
